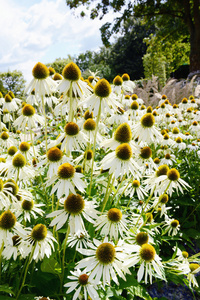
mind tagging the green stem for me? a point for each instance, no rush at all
(63, 259)
(70, 104)
(45, 120)
(108, 192)
(119, 186)
(94, 146)
(26, 270)
(1, 258)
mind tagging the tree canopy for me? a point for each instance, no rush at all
(172, 18)
(12, 81)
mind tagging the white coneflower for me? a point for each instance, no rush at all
(80, 239)
(9, 227)
(102, 97)
(171, 227)
(135, 187)
(120, 162)
(18, 169)
(169, 159)
(52, 160)
(194, 269)
(28, 118)
(145, 130)
(68, 179)
(74, 208)
(81, 283)
(10, 104)
(6, 140)
(41, 240)
(14, 247)
(72, 139)
(150, 262)
(72, 76)
(122, 135)
(42, 83)
(117, 117)
(27, 209)
(105, 260)
(128, 85)
(113, 223)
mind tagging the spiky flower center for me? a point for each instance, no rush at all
(8, 98)
(185, 254)
(184, 100)
(27, 205)
(54, 154)
(117, 80)
(114, 215)
(71, 128)
(74, 204)
(123, 133)
(167, 156)
(71, 72)
(28, 110)
(57, 76)
(40, 71)
(51, 71)
(147, 120)
(39, 232)
(88, 115)
(164, 97)
(105, 253)
(125, 77)
(162, 170)
(12, 186)
(147, 252)
(88, 154)
(145, 152)
(4, 136)
(89, 125)
(16, 240)
(162, 105)
(142, 238)
(123, 151)
(194, 267)
(149, 109)
(175, 130)
(156, 160)
(24, 146)
(19, 161)
(174, 223)
(66, 171)
(136, 183)
(178, 140)
(12, 150)
(195, 123)
(102, 88)
(163, 198)
(83, 279)
(134, 105)
(7, 220)
(173, 174)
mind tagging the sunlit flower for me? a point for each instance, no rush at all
(80, 239)
(104, 260)
(113, 223)
(171, 227)
(74, 208)
(28, 118)
(68, 179)
(150, 262)
(82, 283)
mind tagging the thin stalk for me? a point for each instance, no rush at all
(119, 186)
(25, 272)
(1, 258)
(70, 119)
(94, 146)
(63, 259)
(45, 120)
(108, 193)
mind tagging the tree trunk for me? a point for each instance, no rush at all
(195, 50)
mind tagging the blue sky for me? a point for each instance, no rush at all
(43, 30)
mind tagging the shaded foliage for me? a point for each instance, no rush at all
(12, 81)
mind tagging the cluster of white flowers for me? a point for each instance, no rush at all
(124, 149)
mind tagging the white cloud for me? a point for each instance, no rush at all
(27, 34)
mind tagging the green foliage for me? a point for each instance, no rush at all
(164, 56)
(59, 64)
(12, 81)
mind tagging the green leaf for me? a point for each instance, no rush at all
(6, 289)
(50, 265)
(26, 297)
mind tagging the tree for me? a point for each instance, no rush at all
(59, 64)
(12, 81)
(176, 16)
